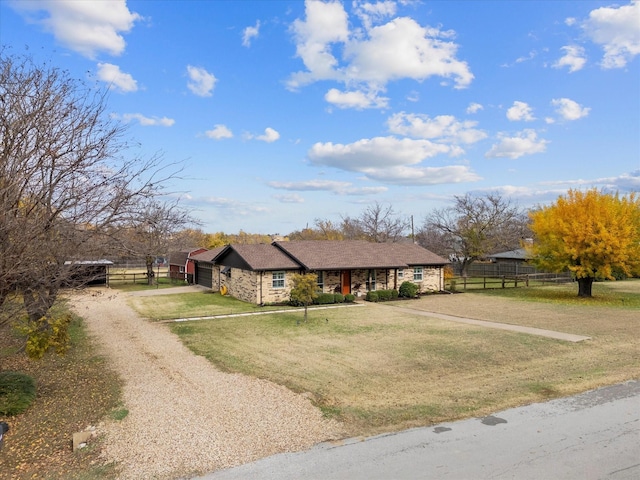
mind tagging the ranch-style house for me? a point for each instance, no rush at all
(261, 273)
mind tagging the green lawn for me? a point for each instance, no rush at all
(377, 369)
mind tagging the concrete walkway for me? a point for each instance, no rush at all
(568, 337)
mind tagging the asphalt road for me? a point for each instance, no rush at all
(595, 435)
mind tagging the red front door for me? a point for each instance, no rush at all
(346, 282)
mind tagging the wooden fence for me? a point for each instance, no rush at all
(505, 281)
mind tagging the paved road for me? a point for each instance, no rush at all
(595, 435)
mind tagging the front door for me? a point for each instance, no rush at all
(346, 282)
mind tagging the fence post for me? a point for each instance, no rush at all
(503, 279)
(465, 282)
(516, 281)
(526, 280)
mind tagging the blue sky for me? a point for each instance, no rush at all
(284, 112)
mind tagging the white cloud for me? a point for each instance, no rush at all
(404, 49)
(444, 127)
(520, 111)
(201, 82)
(373, 56)
(339, 188)
(270, 135)
(355, 99)
(414, 176)
(525, 142)
(291, 198)
(617, 30)
(371, 13)
(379, 152)
(148, 121)
(219, 132)
(84, 27)
(574, 58)
(474, 108)
(250, 33)
(568, 109)
(116, 79)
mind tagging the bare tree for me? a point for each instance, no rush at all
(151, 230)
(65, 186)
(382, 224)
(474, 227)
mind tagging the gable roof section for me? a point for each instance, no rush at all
(207, 256)
(357, 254)
(517, 254)
(257, 257)
(180, 257)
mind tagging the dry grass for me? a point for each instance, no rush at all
(377, 369)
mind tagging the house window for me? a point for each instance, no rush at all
(320, 281)
(371, 280)
(181, 269)
(278, 280)
(417, 274)
(401, 274)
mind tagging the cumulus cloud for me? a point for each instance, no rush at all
(474, 108)
(520, 111)
(391, 160)
(444, 127)
(201, 82)
(371, 56)
(337, 187)
(84, 27)
(617, 30)
(358, 100)
(219, 132)
(378, 152)
(270, 135)
(574, 58)
(569, 109)
(525, 142)
(147, 121)
(249, 33)
(117, 80)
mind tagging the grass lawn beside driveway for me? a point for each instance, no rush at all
(377, 369)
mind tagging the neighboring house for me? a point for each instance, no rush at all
(180, 266)
(262, 273)
(518, 255)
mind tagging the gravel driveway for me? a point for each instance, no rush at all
(185, 416)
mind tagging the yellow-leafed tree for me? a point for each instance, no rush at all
(590, 233)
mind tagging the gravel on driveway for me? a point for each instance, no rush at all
(185, 416)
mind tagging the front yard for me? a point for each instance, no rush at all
(377, 369)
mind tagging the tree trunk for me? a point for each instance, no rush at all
(584, 286)
(150, 274)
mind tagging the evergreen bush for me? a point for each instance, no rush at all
(408, 290)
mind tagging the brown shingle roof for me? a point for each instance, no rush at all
(357, 254)
(261, 257)
(207, 256)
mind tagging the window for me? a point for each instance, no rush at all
(320, 281)
(181, 268)
(371, 280)
(400, 273)
(278, 280)
(417, 274)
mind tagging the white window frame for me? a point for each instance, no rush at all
(400, 273)
(320, 276)
(277, 279)
(418, 274)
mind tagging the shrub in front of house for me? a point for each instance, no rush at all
(349, 298)
(324, 299)
(338, 298)
(408, 290)
(372, 296)
(384, 295)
